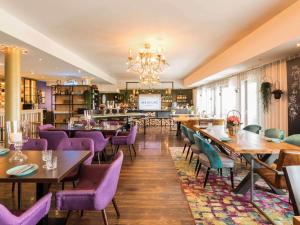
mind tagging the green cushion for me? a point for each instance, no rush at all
(275, 133)
(253, 128)
(293, 139)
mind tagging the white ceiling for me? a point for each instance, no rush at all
(101, 32)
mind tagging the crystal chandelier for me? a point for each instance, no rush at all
(148, 63)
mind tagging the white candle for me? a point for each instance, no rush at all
(16, 137)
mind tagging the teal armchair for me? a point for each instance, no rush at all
(212, 159)
(253, 128)
(293, 139)
(185, 138)
(275, 133)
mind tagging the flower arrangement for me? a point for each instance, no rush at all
(102, 106)
(233, 121)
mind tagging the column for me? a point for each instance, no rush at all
(12, 58)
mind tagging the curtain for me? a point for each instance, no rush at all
(277, 117)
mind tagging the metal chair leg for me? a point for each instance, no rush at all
(13, 187)
(231, 176)
(81, 213)
(104, 216)
(73, 182)
(68, 215)
(130, 152)
(199, 168)
(184, 148)
(206, 177)
(188, 152)
(99, 160)
(191, 157)
(133, 149)
(197, 164)
(116, 207)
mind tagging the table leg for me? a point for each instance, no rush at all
(41, 190)
(178, 129)
(144, 126)
(245, 184)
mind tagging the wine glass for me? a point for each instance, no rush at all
(17, 135)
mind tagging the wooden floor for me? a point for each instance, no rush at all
(149, 192)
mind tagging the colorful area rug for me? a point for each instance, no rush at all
(217, 205)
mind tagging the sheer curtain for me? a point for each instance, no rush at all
(277, 117)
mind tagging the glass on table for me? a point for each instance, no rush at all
(51, 163)
(46, 156)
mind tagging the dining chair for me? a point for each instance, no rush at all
(96, 188)
(194, 148)
(31, 144)
(292, 177)
(53, 137)
(76, 144)
(274, 133)
(212, 159)
(128, 140)
(100, 142)
(293, 139)
(253, 128)
(30, 217)
(44, 127)
(186, 140)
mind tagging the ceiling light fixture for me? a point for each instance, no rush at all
(298, 45)
(148, 63)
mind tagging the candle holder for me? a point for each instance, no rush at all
(17, 135)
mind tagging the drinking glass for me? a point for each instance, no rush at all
(46, 156)
(51, 163)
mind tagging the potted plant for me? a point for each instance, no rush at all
(233, 124)
(266, 93)
(277, 93)
(87, 95)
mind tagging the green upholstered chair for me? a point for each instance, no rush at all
(212, 159)
(185, 137)
(253, 128)
(275, 133)
(190, 134)
(293, 139)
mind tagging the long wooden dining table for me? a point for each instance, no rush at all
(247, 144)
(66, 162)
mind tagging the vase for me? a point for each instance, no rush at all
(232, 130)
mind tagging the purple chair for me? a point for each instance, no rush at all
(128, 140)
(31, 144)
(35, 144)
(100, 142)
(95, 190)
(53, 137)
(76, 144)
(32, 216)
(44, 127)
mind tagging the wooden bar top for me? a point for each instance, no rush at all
(66, 161)
(244, 142)
(296, 220)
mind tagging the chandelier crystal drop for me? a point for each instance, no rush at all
(148, 63)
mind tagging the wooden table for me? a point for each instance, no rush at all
(199, 120)
(66, 162)
(247, 144)
(296, 220)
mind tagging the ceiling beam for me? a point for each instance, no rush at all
(21, 31)
(280, 29)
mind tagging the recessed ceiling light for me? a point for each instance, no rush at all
(79, 71)
(298, 45)
(31, 72)
(40, 59)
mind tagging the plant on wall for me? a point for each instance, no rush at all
(87, 95)
(266, 94)
(277, 93)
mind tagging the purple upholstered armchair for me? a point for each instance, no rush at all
(100, 142)
(76, 144)
(44, 127)
(128, 140)
(95, 190)
(53, 137)
(32, 216)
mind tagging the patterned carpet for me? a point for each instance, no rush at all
(217, 205)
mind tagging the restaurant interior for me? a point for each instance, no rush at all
(136, 112)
